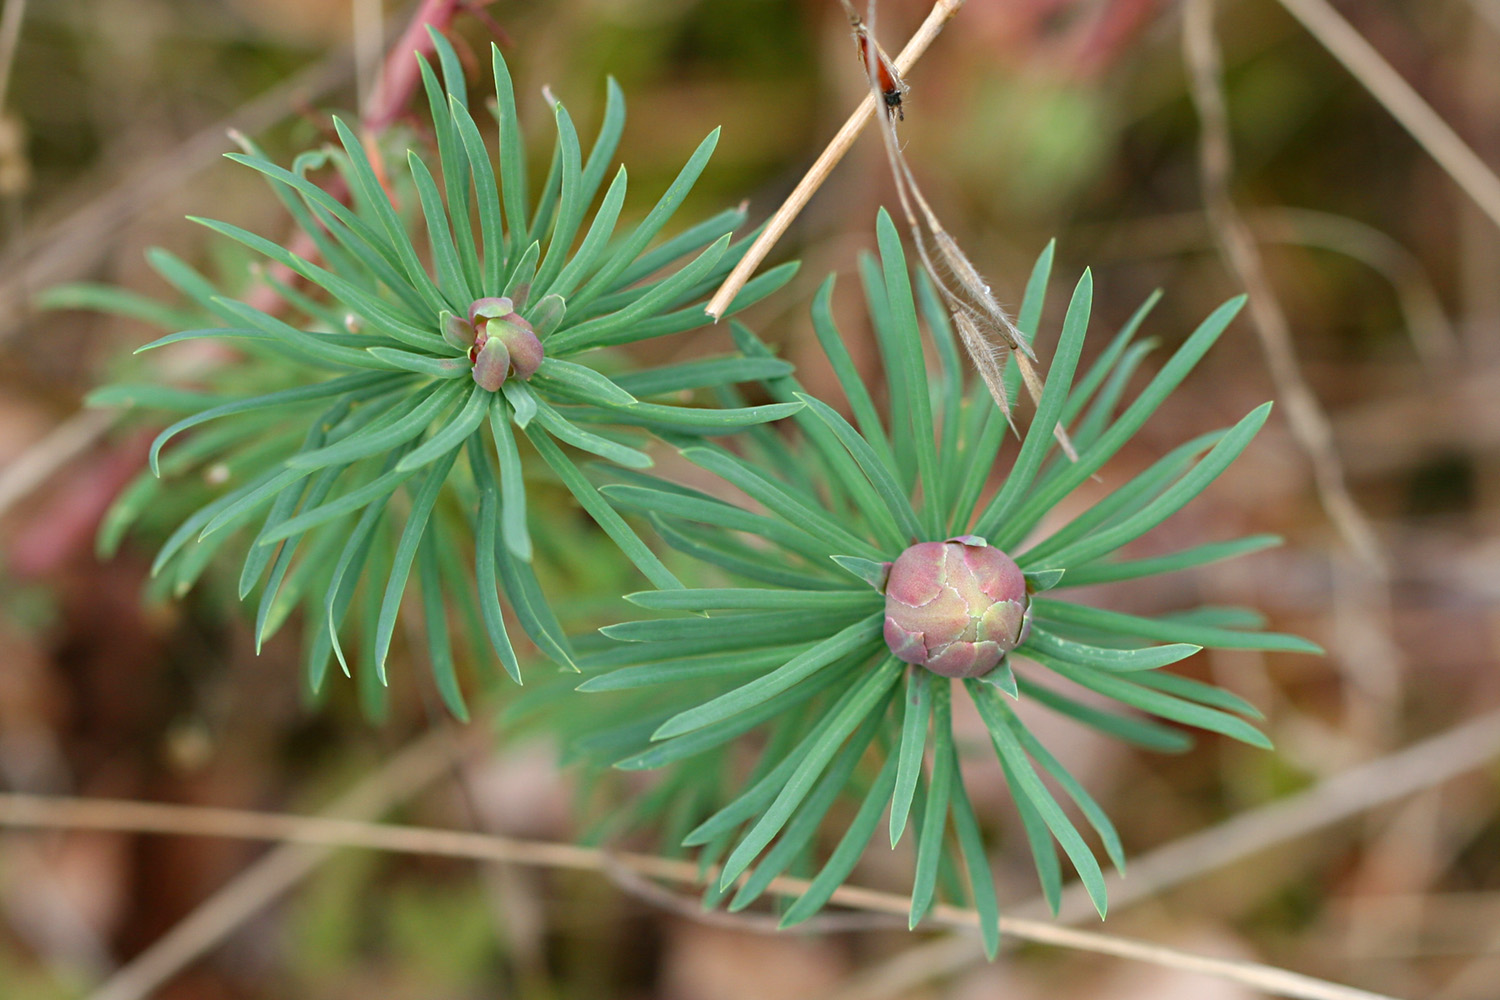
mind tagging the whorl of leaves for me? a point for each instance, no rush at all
(351, 449)
(790, 647)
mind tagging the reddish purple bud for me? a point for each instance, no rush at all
(491, 362)
(526, 352)
(955, 607)
(490, 308)
(457, 331)
(502, 339)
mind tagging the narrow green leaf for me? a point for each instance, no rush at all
(913, 747)
(568, 432)
(753, 599)
(869, 695)
(981, 880)
(992, 709)
(513, 526)
(1050, 494)
(849, 850)
(631, 246)
(406, 550)
(1146, 658)
(452, 433)
(843, 643)
(1039, 436)
(1167, 630)
(908, 380)
(935, 811)
(1201, 555)
(485, 561)
(604, 515)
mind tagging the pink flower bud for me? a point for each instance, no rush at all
(502, 340)
(489, 308)
(955, 607)
(491, 362)
(457, 331)
(526, 352)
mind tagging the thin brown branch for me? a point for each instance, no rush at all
(67, 249)
(106, 814)
(10, 36)
(1305, 415)
(403, 775)
(1405, 105)
(942, 11)
(1381, 782)
(59, 446)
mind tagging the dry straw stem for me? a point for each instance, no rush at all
(940, 14)
(1216, 162)
(1443, 144)
(109, 814)
(1421, 766)
(977, 316)
(402, 776)
(1381, 782)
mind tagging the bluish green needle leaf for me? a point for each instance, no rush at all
(873, 573)
(753, 599)
(1168, 630)
(1156, 702)
(860, 634)
(485, 563)
(450, 435)
(422, 364)
(406, 551)
(1201, 555)
(452, 281)
(571, 205)
(512, 153)
(568, 432)
(1039, 436)
(688, 668)
(1092, 457)
(908, 379)
(631, 247)
(604, 515)
(582, 383)
(915, 717)
(849, 850)
(849, 379)
(513, 526)
(800, 831)
(869, 695)
(284, 397)
(1176, 496)
(701, 374)
(981, 881)
(1146, 658)
(1208, 694)
(890, 492)
(935, 810)
(992, 709)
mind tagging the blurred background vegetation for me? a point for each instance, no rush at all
(1028, 119)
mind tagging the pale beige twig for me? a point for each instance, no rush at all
(1380, 782)
(10, 36)
(258, 886)
(1427, 323)
(57, 448)
(1405, 105)
(63, 251)
(941, 12)
(1304, 413)
(109, 814)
